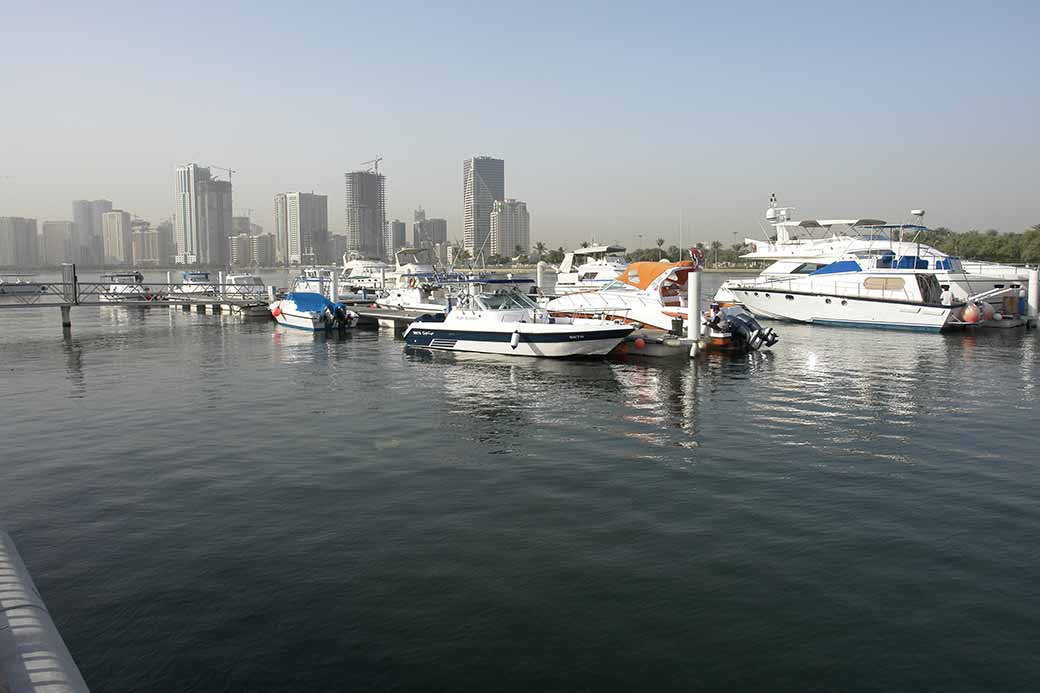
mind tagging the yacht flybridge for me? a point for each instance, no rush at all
(801, 247)
(592, 267)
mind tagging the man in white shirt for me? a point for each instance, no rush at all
(946, 297)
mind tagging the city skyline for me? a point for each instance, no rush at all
(707, 112)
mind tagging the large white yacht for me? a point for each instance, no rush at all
(492, 319)
(801, 247)
(590, 268)
(858, 290)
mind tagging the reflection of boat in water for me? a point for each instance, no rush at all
(802, 247)
(853, 292)
(125, 287)
(506, 321)
(590, 268)
(311, 311)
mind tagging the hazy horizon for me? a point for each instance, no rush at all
(610, 121)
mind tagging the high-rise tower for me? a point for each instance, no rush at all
(366, 213)
(483, 183)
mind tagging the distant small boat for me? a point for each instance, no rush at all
(194, 284)
(418, 298)
(20, 285)
(590, 268)
(311, 311)
(125, 287)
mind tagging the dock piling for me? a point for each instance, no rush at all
(693, 308)
(66, 319)
(1033, 296)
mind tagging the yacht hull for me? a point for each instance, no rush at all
(841, 311)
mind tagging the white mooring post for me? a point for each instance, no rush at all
(335, 286)
(1033, 297)
(270, 294)
(693, 330)
(540, 273)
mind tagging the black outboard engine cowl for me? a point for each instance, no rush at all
(746, 331)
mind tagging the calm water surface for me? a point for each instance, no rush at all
(210, 504)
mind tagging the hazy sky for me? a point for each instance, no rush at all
(610, 118)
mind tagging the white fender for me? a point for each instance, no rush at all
(514, 341)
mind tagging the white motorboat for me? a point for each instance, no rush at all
(855, 291)
(654, 295)
(194, 285)
(801, 247)
(492, 319)
(311, 311)
(21, 285)
(360, 274)
(124, 287)
(244, 286)
(247, 287)
(413, 265)
(316, 280)
(593, 267)
(415, 298)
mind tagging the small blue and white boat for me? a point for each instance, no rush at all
(310, 311)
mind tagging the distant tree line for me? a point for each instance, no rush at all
(989, 245)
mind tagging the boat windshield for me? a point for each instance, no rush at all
(250, 280)
(506, 300)
(619, 286)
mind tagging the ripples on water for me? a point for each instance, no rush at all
(215, 505)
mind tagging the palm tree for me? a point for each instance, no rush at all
(539, 248)
(584, 244)
(716, 246)
(660, 245)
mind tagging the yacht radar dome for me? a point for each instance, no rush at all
(917, 213)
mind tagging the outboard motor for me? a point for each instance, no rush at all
(744, 328)
(345, 318)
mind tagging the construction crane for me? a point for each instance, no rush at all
(221, 168)
(374, 162)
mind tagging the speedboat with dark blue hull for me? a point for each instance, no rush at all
(506, 321)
